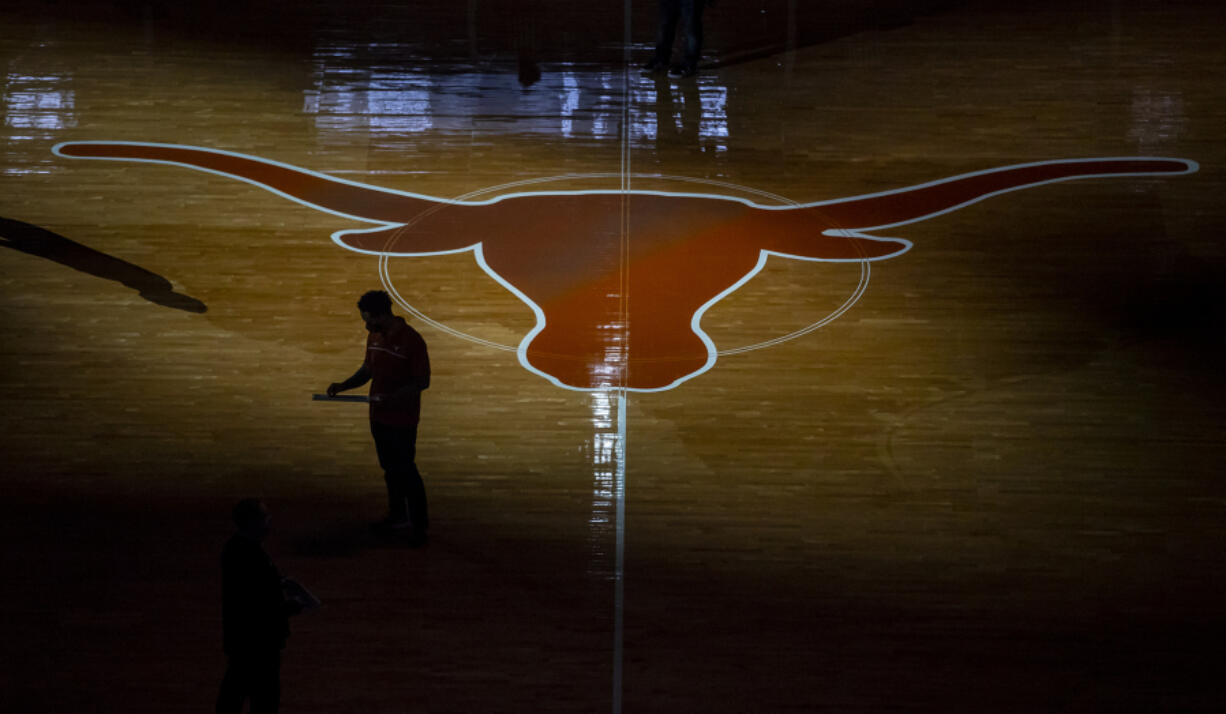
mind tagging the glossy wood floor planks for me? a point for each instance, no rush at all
(979, 475)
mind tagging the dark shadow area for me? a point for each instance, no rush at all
(111, 577)
(344, 540)
(743, 32)
(1189, 306)
(339, 540)
(524, 34)
(1176, 321)
(33, 240)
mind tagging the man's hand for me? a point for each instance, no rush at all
(360, 377)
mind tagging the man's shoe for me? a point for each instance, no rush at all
(655, 65)
(683, 70)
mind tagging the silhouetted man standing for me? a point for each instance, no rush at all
(255, 616)
(398, 368)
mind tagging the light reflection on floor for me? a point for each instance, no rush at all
(34, 108)
(605, 449)
(384, 98)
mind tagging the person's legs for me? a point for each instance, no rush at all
(415, 492)
(406, 492)
(666, 29)
(266, 684)
(234, 689)
(389, 449)
(691, 13)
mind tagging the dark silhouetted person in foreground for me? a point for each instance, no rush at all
(255, 616)
(689, 14)
(398, 368)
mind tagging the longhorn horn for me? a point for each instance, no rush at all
(325, 193)
(915, 203)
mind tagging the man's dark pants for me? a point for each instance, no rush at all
(688, 12)
(397, 450)
(251, 676)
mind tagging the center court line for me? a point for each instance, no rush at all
(619, 473)
(619, 493)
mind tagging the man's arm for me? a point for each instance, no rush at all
(360, 377)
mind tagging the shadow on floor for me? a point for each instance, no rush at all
(33, 240)
(342, 540)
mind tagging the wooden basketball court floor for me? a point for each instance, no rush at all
(983, 474)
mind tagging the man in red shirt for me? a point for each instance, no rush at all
(398, 368)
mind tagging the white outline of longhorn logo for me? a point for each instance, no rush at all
(895, 208)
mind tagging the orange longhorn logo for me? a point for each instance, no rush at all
(619, 279)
